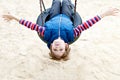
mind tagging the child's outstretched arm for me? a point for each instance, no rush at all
(90, 22)
(28, 24)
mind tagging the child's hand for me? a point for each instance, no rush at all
(110, 12)
(9, 18)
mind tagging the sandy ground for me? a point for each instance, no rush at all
(95, 56)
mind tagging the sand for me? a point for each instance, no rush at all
(94, 56)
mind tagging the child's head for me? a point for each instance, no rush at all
(59, 50)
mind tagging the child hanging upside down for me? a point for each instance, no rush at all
(59, 31)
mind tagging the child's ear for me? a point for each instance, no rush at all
(66, 44)
(51, 44)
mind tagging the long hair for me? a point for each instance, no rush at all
(64, 57)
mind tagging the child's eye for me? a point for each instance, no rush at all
(61, 49)
(55, 49)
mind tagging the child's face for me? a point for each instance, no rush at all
(58, 47)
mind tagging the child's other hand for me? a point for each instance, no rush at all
(110, 12)
(8, 17)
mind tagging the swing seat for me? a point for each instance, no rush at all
(44, 16)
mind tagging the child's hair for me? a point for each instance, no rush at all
(65, 56)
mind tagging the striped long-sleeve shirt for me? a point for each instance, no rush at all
(85, 25)
(33, 26)
(77, 30)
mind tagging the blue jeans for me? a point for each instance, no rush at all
(64, 7)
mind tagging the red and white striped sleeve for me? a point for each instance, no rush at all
(33, 26)
(85, 25)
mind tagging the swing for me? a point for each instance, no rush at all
(44, 16)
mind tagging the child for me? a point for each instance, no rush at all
(59, 31)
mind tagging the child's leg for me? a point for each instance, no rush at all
(55, 8)
(67, 8)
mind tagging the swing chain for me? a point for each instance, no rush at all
(75, 11)
(42, 4)
(75, 6)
